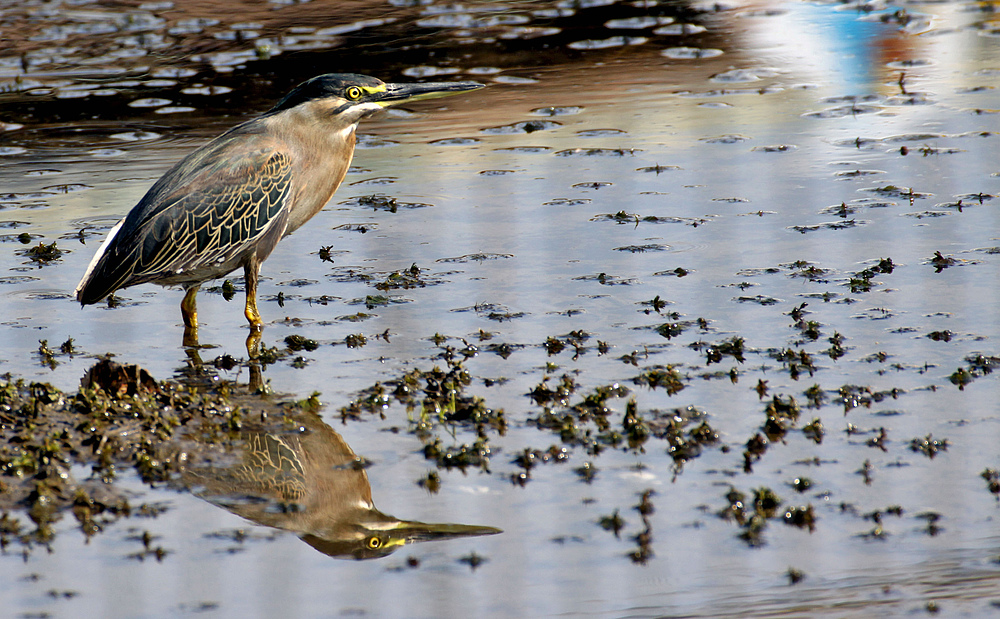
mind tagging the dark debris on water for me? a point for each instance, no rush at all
(121, 418)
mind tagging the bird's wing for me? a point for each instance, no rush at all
(211, 215)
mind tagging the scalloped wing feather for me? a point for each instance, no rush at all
(202, 230)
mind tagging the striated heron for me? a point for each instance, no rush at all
(227, 204)
(307, 480)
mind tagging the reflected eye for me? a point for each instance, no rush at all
(353, 93)
(373, 542)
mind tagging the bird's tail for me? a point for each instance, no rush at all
(92, 288)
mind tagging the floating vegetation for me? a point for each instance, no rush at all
(657, 169)
(830, 225)
(623, 217)
(641, 249)
(597, 152)
(43, 254)
(752, 513)
(527, 126)
(121, 418)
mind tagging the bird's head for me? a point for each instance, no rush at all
(348, 97)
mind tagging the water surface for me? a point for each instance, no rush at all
(809, 214)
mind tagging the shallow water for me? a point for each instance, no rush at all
(564, 197)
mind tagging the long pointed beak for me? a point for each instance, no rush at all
(393, 535)
(400, 93)
(412, 531)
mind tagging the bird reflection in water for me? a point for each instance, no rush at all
(309, 481)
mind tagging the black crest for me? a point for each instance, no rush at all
(322, 87)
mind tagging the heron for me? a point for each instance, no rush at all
(307, 480)
(227, 204)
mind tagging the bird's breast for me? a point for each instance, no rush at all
(319, 167)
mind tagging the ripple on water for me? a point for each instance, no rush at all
(379, 180)
(67, 188)
(842, 224)
(980, 198)
(690, 53)
(381, 201)
(732, 138)
(590, 44)
(527, 126)
(206, 90)
(102, 153)
(523, 33)
(149, 102)
(600, 133)
(70, 94)
(479, 257)
(680, 30)
(17, 279)
(24, 238)
(297, 283)
(641, 249)
(525, 150)
(736, 76)
(597, 152)
(173, 73)
(484, 70)
(776, 148)
(853, 174)
(135, 136)
(842, 111)
(15, 198)
(428, 71)
(371, 141)
(94, 223)
(44, 295)
(557, 111)
(637, 23)
(658, 168)
(910, 63)
(608, 280)
(454, 142)
(514, 80)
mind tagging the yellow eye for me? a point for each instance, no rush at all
(373, 542)
(353, 93)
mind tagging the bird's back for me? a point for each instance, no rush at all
(197, 195)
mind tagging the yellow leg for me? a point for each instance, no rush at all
(250, 272)
(189, 307)
(189, 311)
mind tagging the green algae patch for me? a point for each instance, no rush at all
(120, 419)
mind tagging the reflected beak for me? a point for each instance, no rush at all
(411, 531)
(393, 535)
(400, 93)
